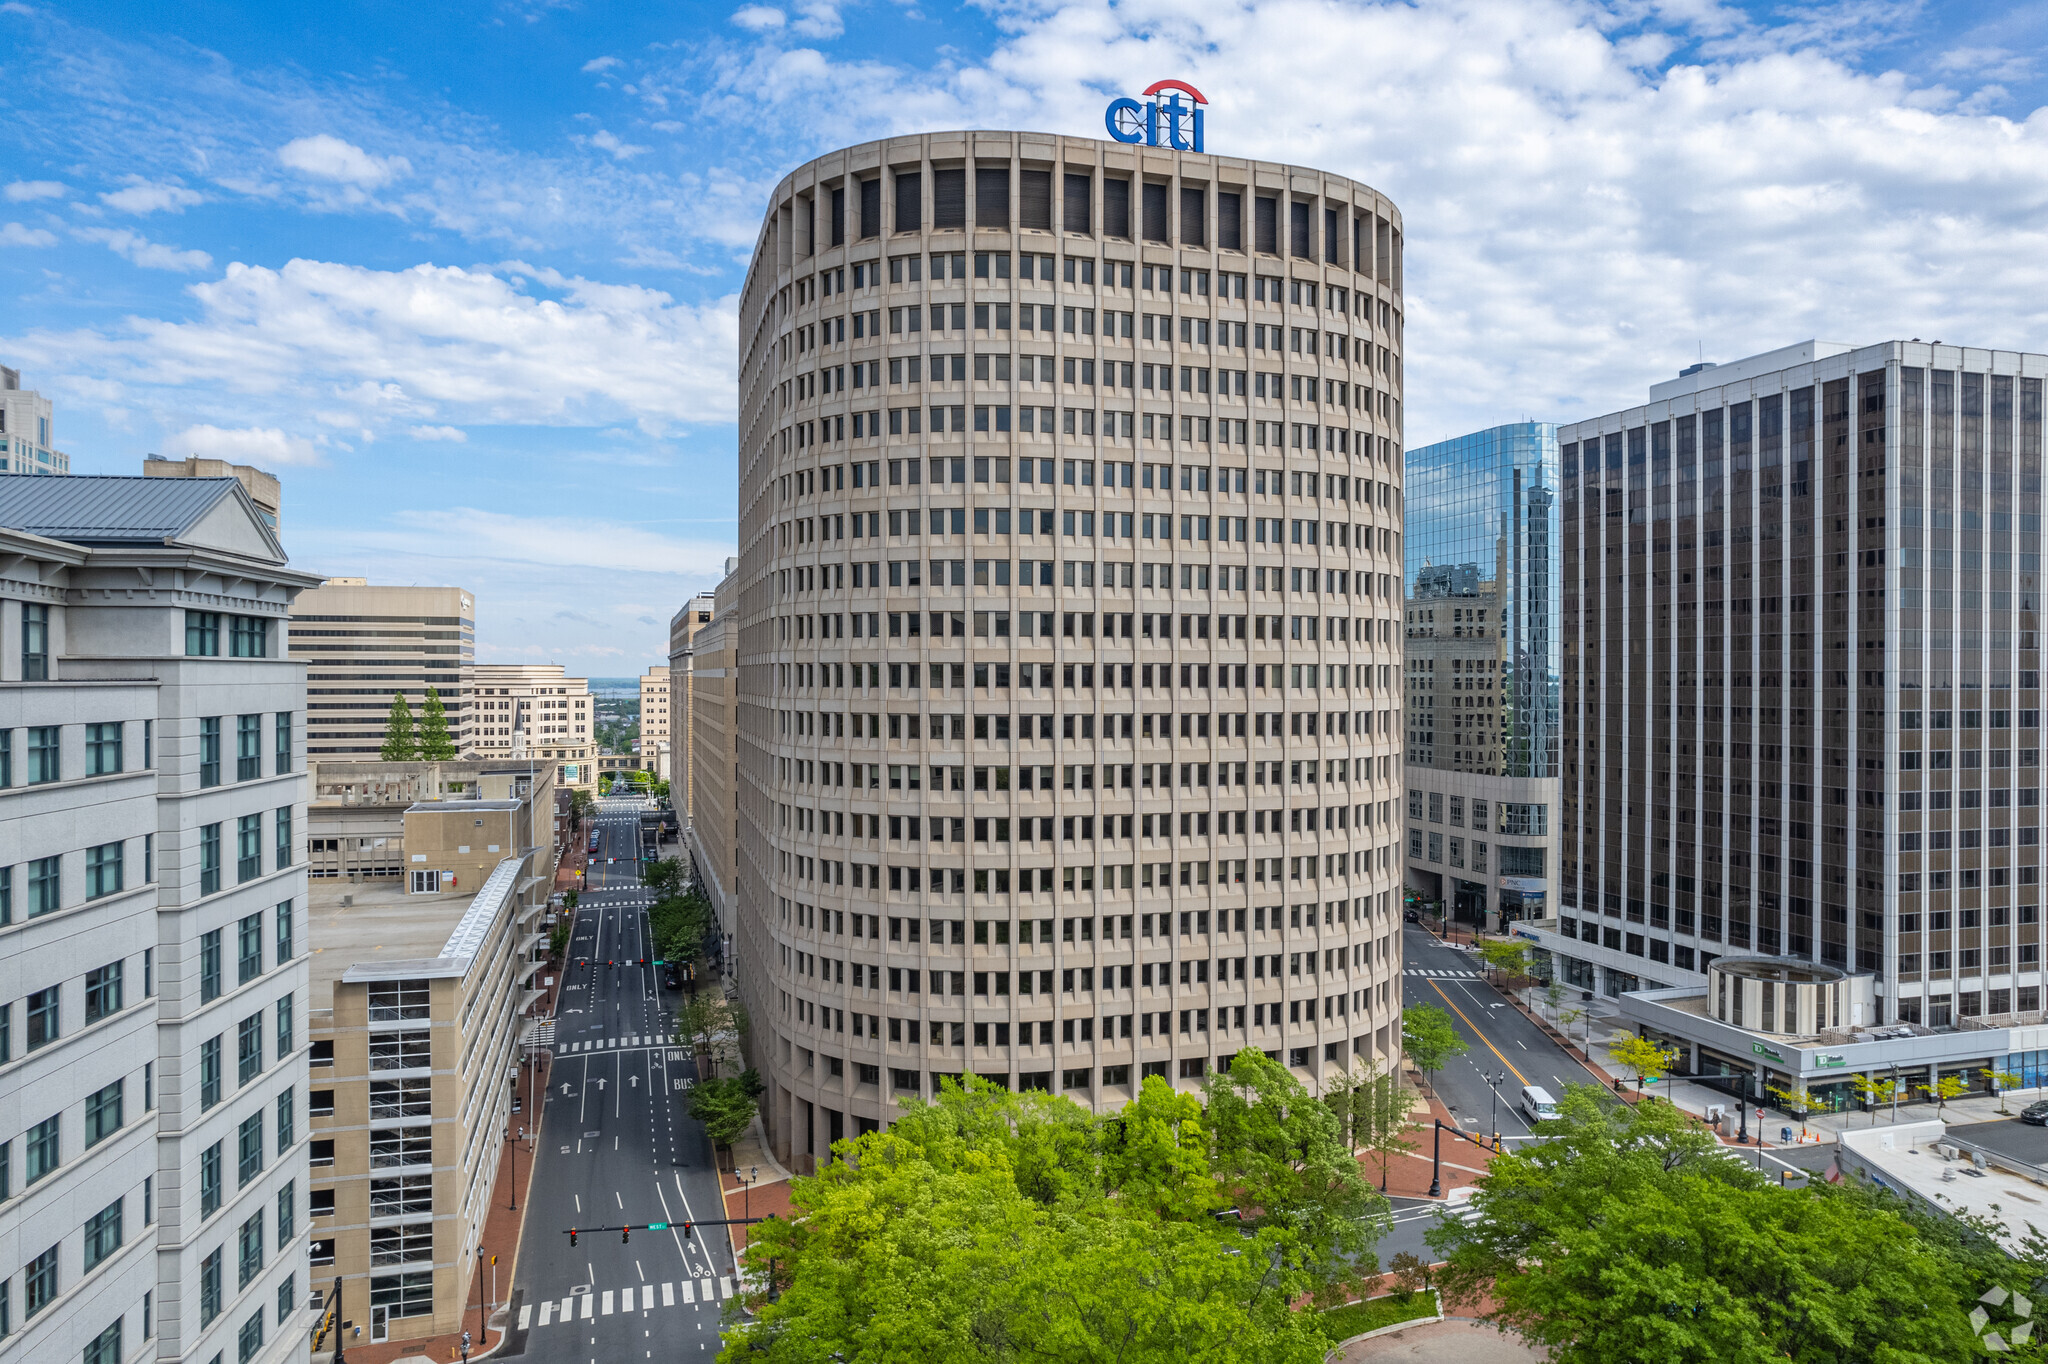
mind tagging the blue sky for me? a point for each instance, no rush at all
(464, 275)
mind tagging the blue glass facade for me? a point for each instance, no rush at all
(1483, 666)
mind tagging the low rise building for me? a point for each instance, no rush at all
(262, 486)
(356, 816)
(426, 996)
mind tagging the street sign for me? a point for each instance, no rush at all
(657, 1226)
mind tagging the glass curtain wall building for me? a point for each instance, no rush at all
(1481, 620)
(1802, 705)
(1068, 638)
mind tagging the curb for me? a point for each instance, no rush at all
(1349, 1341)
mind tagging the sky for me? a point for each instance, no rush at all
(465, 275)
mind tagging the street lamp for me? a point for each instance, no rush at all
(1436, 1161)
(1493, 1082)
(747, 1190)
(479, 1300)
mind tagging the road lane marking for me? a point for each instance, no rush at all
(586, 1306)
(526, 1316)
(689, 1292)
(606, 1310)
(725, 1285)
(668, 1294)
(646, 1296)
(1481, 1036)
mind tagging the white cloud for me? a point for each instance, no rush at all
(435, 433)
(818, 19)
(326, 157)
(26, 191)
(14, 234)
(142, 197)
(510, 344)
(620, 151)
(263, 446)
(140, 250)
(599, 64)
(759, 18)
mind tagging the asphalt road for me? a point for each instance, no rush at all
(618, 1147)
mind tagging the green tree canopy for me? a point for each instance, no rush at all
(1627, 1237)
(988, 1225)
(435, 744)
(726, 1107)
(1429, 1037)
(399, 744)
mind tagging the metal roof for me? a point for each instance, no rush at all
(112, 509)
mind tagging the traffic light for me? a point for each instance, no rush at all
(689, 1231)
(625, 1235)
(572, 1237)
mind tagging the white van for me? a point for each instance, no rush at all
(1537, 1103)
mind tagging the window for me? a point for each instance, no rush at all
(249, 1049)
(209, 859)
(395, 1000)
(248, 848)
(43, 1021)
(43, 756)
(249, 1250)
(209, 1287)
(406, 1295)
(44, 885)
(35, 643)
(283, 932)
(284, 1027)
(210, 1180)
(103, 991)
(248, 747)
(405, 1196)
(287, 1212)
(209, 1072)
(412, 1098)
(283, 840)
(6, 757)
(102, 870)
(102, 1234)
(6, 900)
(202, 634)
(283, 741)
(250, 637)
(249, 1341)
(209, 750)
(249, 1149)
(103, 1113)
(406, 1243)
(102, 750)
(39, 1283)
(105, 1348)
(39, 1149)
(249, 948)
(209, 966)
(287, 1299)
(287, 1122)
(401, 1051)
(396, 1147)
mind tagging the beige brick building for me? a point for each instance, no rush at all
(535, 710)
(363, 643)
(682, 633)
(656, 722)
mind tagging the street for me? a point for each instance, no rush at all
(618, 1148)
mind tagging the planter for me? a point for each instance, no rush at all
(1372, 1315)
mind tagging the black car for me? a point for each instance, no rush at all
(672, 976)
(1412, 917)
(2035, 1113)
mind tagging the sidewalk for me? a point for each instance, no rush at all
(501, 1239)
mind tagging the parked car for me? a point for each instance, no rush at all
(672, 976)
(1412, 917)
(2036, 1113)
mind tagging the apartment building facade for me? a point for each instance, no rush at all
(363, 643)
(153, 1159)
(27, 421)
(656, 727)
(534, 710)
(711, 828)
(1802, 723)
(682, 634)
(1483, 659)
(1069, 641)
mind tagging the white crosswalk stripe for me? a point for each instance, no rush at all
(674, 1293)
(1428, 974)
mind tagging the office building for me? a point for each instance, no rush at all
(655, 730)
(682, 635)
(26, 418)
(263, 488)
(1801, 831)
(153, 976)
(1068, 624)
(364, 644)
(712, 828)
(1482, 673)
(422, 997)
(534, 710)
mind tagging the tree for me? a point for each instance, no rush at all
(1505, 956)
(1944, 1088)
(1553, 994)
(1569, 1017)
(1429, 1038)
(1876, 1093)
(1641, 1055)
(582, 805)
(569, 899)
(1626, 1237)
(989, 1225)
(726, 1107)
(2002, 1080)
(435, 743)
(713, 1027)
(1410, 1271)
(1794, 1098)
(1382, 1115)
(664, 877)
(558, 939)
(399, 744)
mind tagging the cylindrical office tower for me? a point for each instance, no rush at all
(1070, 521)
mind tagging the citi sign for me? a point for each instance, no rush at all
(1159, 122)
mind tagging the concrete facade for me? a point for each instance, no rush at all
(363, 643)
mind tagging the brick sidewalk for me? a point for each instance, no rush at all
(501, 1238)
(759, 1200)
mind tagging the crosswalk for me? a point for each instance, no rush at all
(611, 1302)
(612, 1044)
(1428, 974)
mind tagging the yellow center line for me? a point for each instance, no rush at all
(1482, 1036)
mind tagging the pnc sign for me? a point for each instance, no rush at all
(1157, 122)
